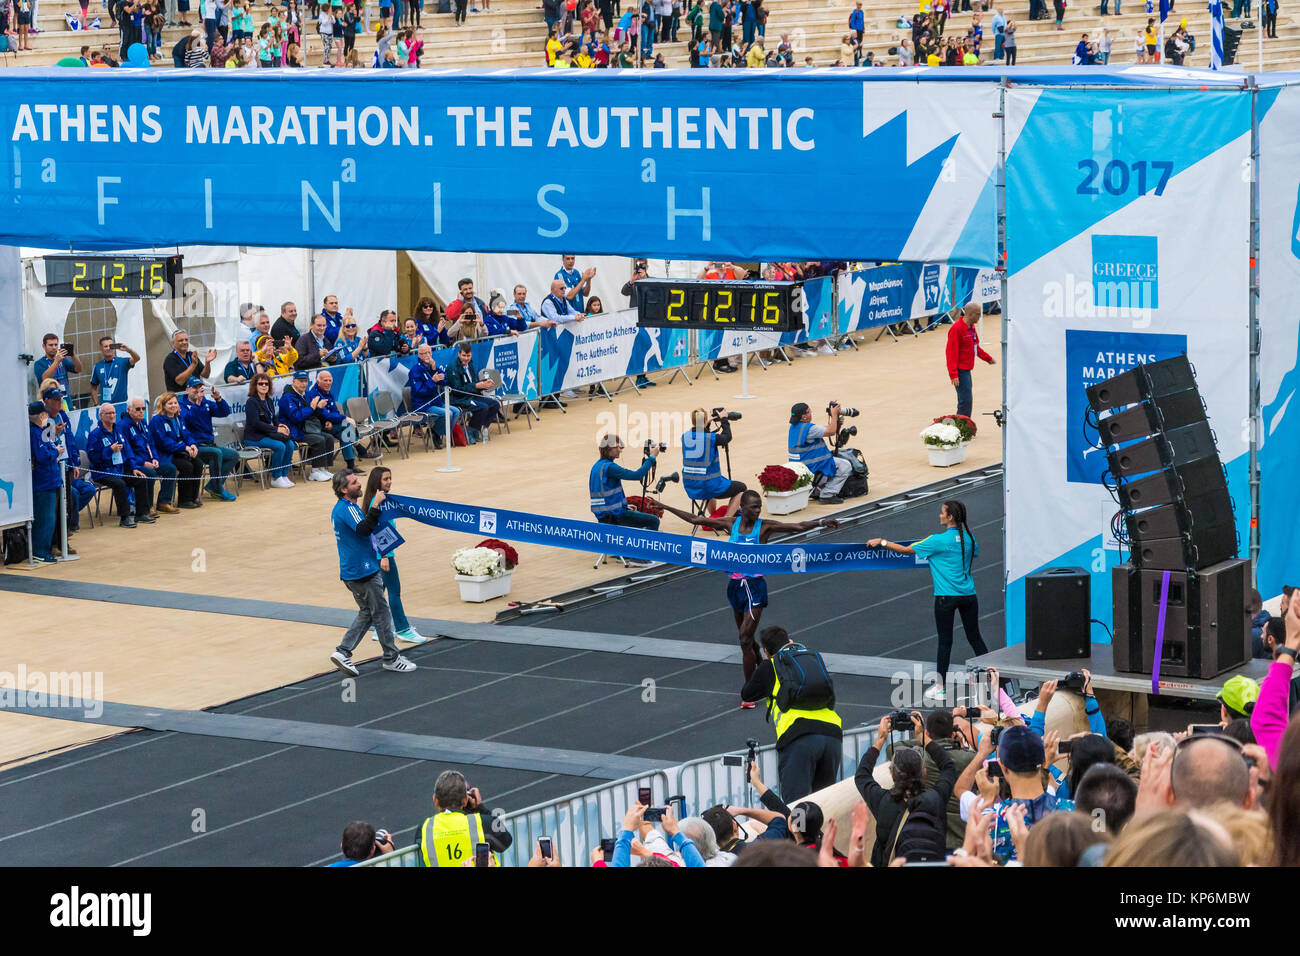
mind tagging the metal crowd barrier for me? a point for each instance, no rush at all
(577, 822)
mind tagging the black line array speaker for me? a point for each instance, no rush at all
(1206, 631)
(1142, 382)
(1058, 610)
(1159, 413)
(1177, 446)
(1178, 482)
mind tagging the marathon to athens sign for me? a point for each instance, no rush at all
(511, 161)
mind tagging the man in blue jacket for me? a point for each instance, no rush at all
(426, 382)
(46, 481)
(143, 455)
(197, 412)
(330, 419)
(857, 22)
(106, 449)
(295, 408)
(79, 490)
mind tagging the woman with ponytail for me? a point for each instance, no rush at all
(951, 554)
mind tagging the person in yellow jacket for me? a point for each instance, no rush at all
(808, 734)
(459, 823)
(757, 56)
(274, 360)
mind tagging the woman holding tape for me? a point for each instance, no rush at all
(386, 541)
(951, 554)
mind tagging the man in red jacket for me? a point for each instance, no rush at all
(963, 346)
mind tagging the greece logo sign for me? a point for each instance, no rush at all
(487, 522)
(699, 552)
(1125, 272)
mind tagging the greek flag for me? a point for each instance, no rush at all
(1216, 34)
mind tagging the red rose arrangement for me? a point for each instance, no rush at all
(777, 478)
(510, 555)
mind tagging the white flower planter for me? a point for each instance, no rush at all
(787, 502)
(483, 587)
(944, 457)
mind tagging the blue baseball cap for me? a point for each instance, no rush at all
(35, 408)
(1020, 750)
(192, 381)
(49, 393)
(300, 376)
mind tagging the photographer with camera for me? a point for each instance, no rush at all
(361, 841)
(911, 816)
(801, 703)
(108, 377)
(459, 823)
(950, 730)
(702, 476)
(605, 482)
(806, 445)
(747, 593)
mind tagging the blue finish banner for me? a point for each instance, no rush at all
(648, 545)
(499, 162)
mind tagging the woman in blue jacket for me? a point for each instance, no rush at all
(46, 482)
(386, 541)
(263, 430)
(172, 441)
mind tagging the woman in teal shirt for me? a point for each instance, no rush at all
(951, 553)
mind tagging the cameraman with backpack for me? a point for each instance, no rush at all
(911, 819)
(801, 703)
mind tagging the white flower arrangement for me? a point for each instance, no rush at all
(478, 562)
(805, 474)
(940, 435)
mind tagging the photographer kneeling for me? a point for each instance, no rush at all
(806, 445)
(910, 817)
(702, 476)
(608, 503)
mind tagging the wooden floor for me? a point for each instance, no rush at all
(277, 545)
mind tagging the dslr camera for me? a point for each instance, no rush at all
(1071, 681)
(845, 412)
(900, 721)
(649, 444)
(729, 416)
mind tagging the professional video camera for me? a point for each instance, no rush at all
(659, 485)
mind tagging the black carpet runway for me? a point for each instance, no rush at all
(528, 722)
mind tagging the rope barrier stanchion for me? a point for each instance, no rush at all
(446, 417)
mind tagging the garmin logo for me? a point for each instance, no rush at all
(76, 909)
(699, 552)
(487, 522)
(1125, 272)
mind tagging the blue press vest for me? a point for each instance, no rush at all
(606, 492)
(701, 474)
(812, 452)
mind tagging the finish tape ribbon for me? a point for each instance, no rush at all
(616, 540)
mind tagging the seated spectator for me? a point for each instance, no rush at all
(411, 335)
(384, 338)
(109, 376)
(56, 363)
(295, 408)
(496, 320)
(466, 326)
(312, 346)
(143, 455)
(469, 393)
(1174, 838)
(46, 482)
(350, 346)
(262, 429)
(459, 822)
(182, 364)
(910, 816)
(361, 841)
(426, 318)
(172, 439)
(111, 460)
(1107, 796)
(197, 411)
(274, 359)
(427, 382)
(331, 419)
(77, 489)
(239, 370)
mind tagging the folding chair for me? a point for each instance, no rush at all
(515, 399)
(233, 436)
(494, 376)
(386, 412)
(419, 418)
(84, 462)
(368, 430)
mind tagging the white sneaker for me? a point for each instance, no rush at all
(570, 394)
(344, 663)
(282, 483)
(320, 474)
(399, 664)
(411, 636)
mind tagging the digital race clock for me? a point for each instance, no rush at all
(112, 277)
(713, 304)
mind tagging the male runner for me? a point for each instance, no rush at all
(747, 593)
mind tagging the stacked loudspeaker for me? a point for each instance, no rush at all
(1177, 515)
